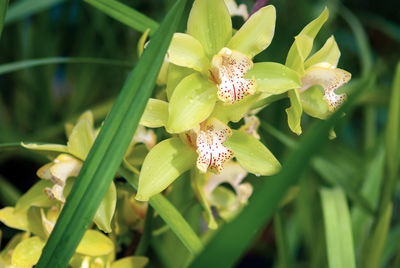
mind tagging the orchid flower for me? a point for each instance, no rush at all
(318, 70)
(211, 71)
(205, 148)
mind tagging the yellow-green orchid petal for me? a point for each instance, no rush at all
(330, 79)
(141, 42)
(237, 10)
(27, 253)
(6, 253)
(210, 146)
(81, 139)
(210, 23)
(105, 211)
(35, 197)
(274, 78)
(234, 112)
(94, 243)
(175, 75)
(155, 114)
(256, 34)
(314, 26)
(295, 111)
(46, 147)
(329, 53)
(198, 181)
(131, 262)
(251, 154)
(163, 164)
(228, 69)
(251, 124)
(186, 51)
(191, 103)
(13, 219)
(314, 104)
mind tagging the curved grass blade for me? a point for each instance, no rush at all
(24, 8)
(3, 10)
(338, 233)
(125, 15)
(233, 239)
(108, 150)
(24, 64)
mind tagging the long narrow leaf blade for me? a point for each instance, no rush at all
(108, 150)
(338, 233)
(125, 15)
(24, 8)
(3, 10)
(233, 239)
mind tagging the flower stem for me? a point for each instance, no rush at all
(146, 236)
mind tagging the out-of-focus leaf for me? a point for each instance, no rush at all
(3, 10)
(27, 252)
(109, 148)
(125, 15)
(164, 163)
(338, 233)
(21, 9)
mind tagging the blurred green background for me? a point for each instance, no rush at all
(36, 102)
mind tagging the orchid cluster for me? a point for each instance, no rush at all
(209, 81)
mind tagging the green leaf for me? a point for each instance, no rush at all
(125, 15)
(313, 103)
(155, 114)
(251, 154)
(294, 111)
(109, 148)
(105, 212)
(210, 23)
(3, 10)
(338, 233)
(22, 9)
(25, 64)
(243, 229)
(9, 217)
(274, 78)
(27, 252)
(130, 262)
(186, 51)
(94, 243)
(35, 197)
(170, 215)
(256, 34)
(164, 163)
(329, 53)
(191, 103)
(234, 112)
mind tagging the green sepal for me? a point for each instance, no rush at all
(105, 211)
(27, 253)
(274, 78)
(210, 23)
(251, 154)
(130, 262)
(295, 111)
(94, 243)
(164, 163)
(175, 75)
(81, 139)
(6, 253)
(35, 197)
(329, 53)
(256, 34)
(155, 114)
(234, 112)
(314, 104)
(9, 217)
(198, 181)
(186, 51)
(191, 103)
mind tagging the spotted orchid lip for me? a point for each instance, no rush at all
(228, 69)
(330, 78)
(212, 153)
